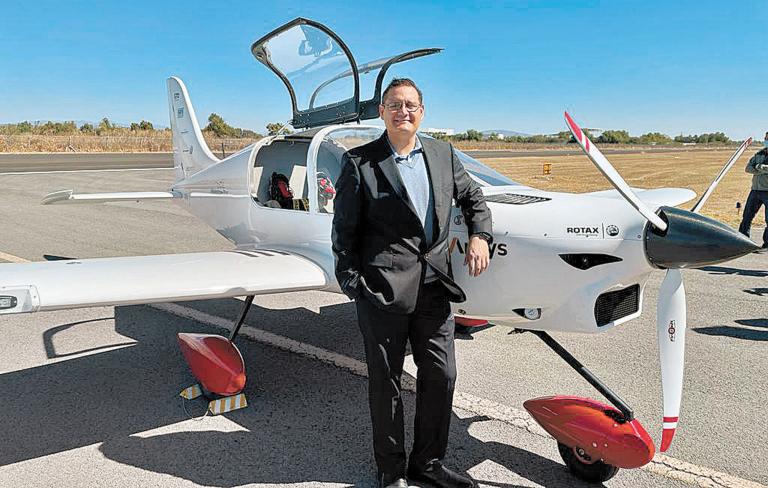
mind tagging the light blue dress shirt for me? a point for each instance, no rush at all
(413, 171)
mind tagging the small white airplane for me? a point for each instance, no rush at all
(560, 261)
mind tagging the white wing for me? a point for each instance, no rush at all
(69, 196)
(55, 285)
(671, 197)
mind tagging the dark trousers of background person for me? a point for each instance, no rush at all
(430, 330)
(755, 199)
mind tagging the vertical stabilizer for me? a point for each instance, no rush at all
(190, 152)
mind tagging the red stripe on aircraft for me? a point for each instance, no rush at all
(671, 419)
(575, 128)
(666, 439)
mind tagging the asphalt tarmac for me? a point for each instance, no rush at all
(90, 396)
(35, 162)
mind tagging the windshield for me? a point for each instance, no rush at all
(482, 172)
(307, 57)
(348, 138)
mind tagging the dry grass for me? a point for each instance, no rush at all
(687, 168)
(694, 170)
(132, 142)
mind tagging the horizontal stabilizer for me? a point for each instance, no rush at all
(670, 197)
(69, 196)
(37, 287)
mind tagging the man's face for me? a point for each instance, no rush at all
(400, 119)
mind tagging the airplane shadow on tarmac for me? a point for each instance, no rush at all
(722, 270)
(307, 421)
(761, 292)
(739, 332)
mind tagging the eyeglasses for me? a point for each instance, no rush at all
(396, 106)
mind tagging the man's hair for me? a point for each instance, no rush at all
(766, 134)
(400, 82)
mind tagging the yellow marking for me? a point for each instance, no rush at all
(227, 404)
(192, 392)
(11, 258)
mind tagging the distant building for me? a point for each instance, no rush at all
(595, 132)
(444, 132)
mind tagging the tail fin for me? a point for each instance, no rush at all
(190, 152)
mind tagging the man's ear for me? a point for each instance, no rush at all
(381, 111)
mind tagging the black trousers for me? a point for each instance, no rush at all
(755, 199)
(430, 330)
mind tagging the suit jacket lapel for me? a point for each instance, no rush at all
(435, 171)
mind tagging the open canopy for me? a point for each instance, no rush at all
(321, 74)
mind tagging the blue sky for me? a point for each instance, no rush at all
(649, 65)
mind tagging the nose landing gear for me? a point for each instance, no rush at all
(594, 439)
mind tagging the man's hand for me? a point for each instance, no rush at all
(476, 256)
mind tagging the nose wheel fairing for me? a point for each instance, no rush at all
(596, 431)
(594, 438)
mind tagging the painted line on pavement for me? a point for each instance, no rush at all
(81, 171)
(662, 465)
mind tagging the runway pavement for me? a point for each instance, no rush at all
(90, 396)
(35, 162)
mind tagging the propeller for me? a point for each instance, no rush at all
(684, 239)
(613, 176)
(670, 327)
(744, 145)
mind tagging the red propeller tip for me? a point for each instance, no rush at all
(666, 439)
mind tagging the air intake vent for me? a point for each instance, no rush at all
(515, 199)
(617, 304)
(586, 261)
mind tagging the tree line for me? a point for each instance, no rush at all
(218, 127)
(606, 137)
(49, 128)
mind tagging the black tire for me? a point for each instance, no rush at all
(595, 472)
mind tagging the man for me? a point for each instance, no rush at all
(758, 168)
(390, 239)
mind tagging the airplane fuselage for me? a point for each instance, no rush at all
(552, 252)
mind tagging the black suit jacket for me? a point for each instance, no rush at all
(378, 239)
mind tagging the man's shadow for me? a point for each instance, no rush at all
(307, 421)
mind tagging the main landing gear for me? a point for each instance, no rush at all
(215, 361)
(594, 439)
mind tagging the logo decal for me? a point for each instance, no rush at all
(584, 231)
(180, 112)
(612, 230)
(176, 96)
(499, 249)
(671, 331)
(458, 220)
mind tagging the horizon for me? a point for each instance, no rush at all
(686, 68)
(375, 122)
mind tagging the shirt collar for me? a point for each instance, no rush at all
(399, 158)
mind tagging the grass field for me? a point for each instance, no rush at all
(693, 170)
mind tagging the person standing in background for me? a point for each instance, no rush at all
(758, 195)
